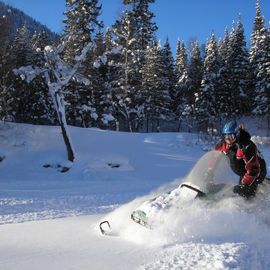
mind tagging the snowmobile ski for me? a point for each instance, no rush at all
(102, 228)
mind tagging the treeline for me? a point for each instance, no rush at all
(133, 82)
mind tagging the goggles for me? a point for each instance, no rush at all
(229, 137)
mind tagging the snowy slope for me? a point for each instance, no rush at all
(49, 219)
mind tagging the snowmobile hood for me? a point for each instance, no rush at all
(216, 161)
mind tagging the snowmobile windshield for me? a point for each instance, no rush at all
(212, 169)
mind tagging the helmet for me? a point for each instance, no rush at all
(231, 128)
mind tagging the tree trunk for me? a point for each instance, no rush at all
(68, 144)
(63, 123)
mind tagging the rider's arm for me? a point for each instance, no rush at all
(249, 154)
(221, 146)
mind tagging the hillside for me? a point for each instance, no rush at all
(17, 18)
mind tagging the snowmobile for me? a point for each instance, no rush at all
(210, 180)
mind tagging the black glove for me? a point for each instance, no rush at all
(244, 190)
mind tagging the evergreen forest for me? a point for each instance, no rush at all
(123, 78)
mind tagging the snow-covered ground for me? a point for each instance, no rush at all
(49, 219)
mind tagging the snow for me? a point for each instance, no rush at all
(107, 118)
(49, 219)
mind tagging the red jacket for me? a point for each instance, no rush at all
(243, 156)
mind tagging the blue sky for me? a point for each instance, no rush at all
(175, 18)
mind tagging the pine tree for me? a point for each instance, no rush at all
(263, 77)
(81, 24)
(19, 101)
(255, 52)
(113, 77)
(5, 32)
(6, 76)
(182, 85)
(145, 28)
(259, 59)
(81, 27)
(195, 72)
(225, 79)
(98, 79)
(149, 81)
(233, 79)
(21, 55)
(126, 60)
(208, 100)
(238, 65)
(38, 42)
(181, 62)
(223, 46)
(155, 87)
(41, 109)
(133, 33)
(170, 73)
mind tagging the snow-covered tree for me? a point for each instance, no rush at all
(195, 72)
(112, 76)
(127, 62)
(81, 24)
(38, 42)
(144, 26)
(260, 62)
(98, 79)
(182, 68)
(155, 85)
(238, 65)
(182, 85)
(57, 74)
(6, 88)
(40, 105)
(133, 33)
(5, 32)
(223, 46)
(20, 102)
(170, 73)
(20, 55)
(233, 79)
(208, 99)
(263, 78)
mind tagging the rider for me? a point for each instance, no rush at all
(245, 159)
